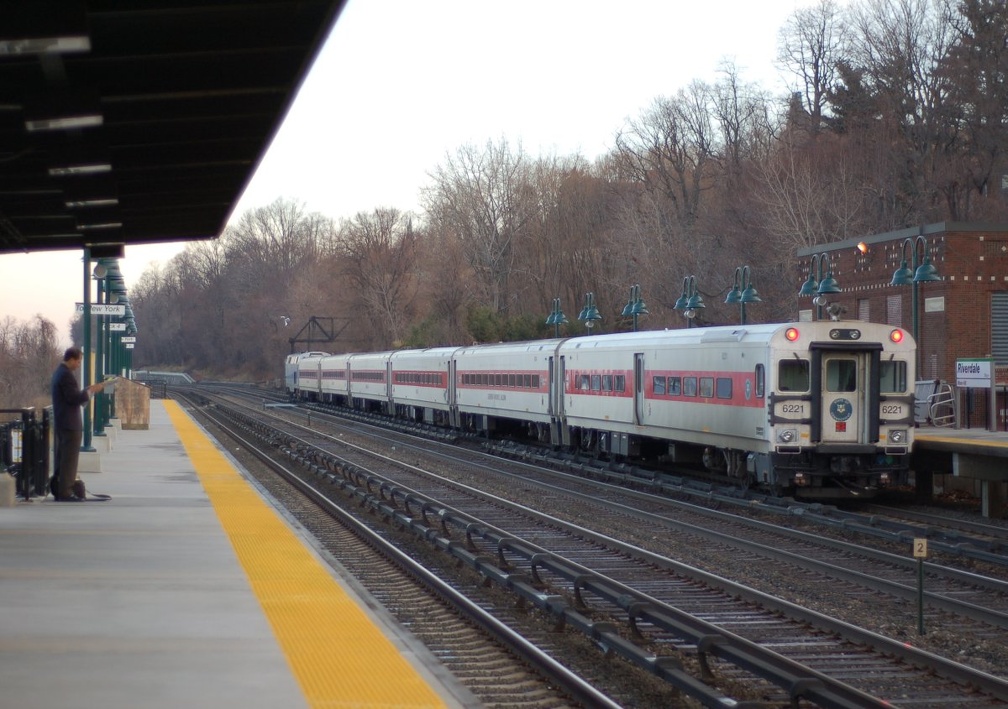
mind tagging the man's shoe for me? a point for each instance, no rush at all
(72, 498)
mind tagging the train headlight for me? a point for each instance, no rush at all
(897, 435)
(788, 435)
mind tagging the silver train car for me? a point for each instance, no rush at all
(817, 409)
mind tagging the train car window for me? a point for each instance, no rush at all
(675, 386)
(793, 375)
(689, 386)
(707, 387)
(528, 381)
(841, 375)
(619, 384)
(606, 382)
(585, 382)
(511, 380)
(659, 386)
(760, 381)
(724, 388)
(892, 377)
(596, 382)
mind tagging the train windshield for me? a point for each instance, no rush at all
(892, 377)
(793, 375)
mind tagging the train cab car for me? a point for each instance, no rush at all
(840, 408)
(815, 409)
(301, 374)
(421, 388)
(371, 382)
(334, 379)
(505, 387)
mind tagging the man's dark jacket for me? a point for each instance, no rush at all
(67, 398)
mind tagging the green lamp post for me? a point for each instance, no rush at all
(914, 275)
(818, 286)
(556, 318)
(636, 306)
(589, 314)
(690, 301)
(743, 292)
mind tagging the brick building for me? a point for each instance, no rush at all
(964, 315)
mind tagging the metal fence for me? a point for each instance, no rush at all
(24, 450)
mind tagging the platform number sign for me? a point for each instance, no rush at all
(920, 554)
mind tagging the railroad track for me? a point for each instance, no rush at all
(734, 617)
(498, 666)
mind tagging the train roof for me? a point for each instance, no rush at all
(522, 346)
(684, 336)
(756, 333)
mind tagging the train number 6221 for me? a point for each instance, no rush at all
(892, 409)
(792, 408)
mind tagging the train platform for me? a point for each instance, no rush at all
(191, 588)
(973, 453)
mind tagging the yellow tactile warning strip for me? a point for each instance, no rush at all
(965, 443)
(340, 658)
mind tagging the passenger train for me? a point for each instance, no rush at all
(820, 410)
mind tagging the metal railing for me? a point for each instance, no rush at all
(943, 406)
(24, 450)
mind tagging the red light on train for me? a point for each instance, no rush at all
(896, 336)
(791, 334)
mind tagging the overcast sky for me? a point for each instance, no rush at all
(400, 84)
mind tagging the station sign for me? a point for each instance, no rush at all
(128, 345)
(104, 308)
(974, 373)
(130, 338)
(117, 327)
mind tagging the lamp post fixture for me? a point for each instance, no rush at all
(85, 378)
(556, 318)
(589, 313)
(116, 294)
(915, 275)
(100, 275)
(689, 301)
(635, 306)
(818, 286)
(742, 291)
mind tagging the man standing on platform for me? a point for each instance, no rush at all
(68, 424)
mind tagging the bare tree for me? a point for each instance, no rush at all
(979, 94)
(28, 354)
(380, 259)
(902, 46)
(672, 153)
(483, 197)
(811, 44)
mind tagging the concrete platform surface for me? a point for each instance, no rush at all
(136, 602)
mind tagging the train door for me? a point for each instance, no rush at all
(639, 388)
(845, 397)
(559, 433)
(388, 388)
(451, 394)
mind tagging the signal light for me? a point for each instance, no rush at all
(896, 336)
(791, 334)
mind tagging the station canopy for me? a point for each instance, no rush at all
(141, 121)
